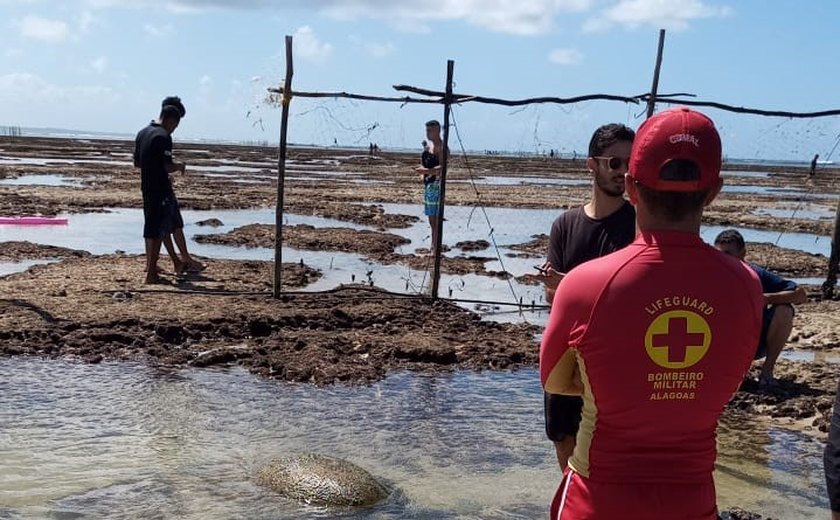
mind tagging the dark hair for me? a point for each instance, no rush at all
(673, 205)
(433, 122)
(170, 112)
(608, 135)
(174, 101)
(731, 236)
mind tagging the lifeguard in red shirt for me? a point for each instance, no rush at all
(656, 338)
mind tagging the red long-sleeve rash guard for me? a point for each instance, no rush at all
(656, 337)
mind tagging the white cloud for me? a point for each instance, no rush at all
(507, 16)
(86, 20)
(99, 64)
(596, 25)
(375, 49)
(308, 46)
(410, 26)
(43, 29)
(182, 6)
(205, 89)
(660, 14)
(23, 87)
(565, 56)
(380, 50)
(155, 31)
(13, 53)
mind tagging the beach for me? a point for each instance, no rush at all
(354, 309)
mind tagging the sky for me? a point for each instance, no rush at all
(104, 65)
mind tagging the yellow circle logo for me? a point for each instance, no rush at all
(678, 339)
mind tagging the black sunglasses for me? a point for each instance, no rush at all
(615, 163)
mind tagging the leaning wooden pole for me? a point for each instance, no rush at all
(444, 161)
(281, 171)
(655, 87)
(834, 259)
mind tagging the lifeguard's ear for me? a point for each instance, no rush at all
(631, 189)
(713, 192)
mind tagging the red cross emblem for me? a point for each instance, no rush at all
(678, 339)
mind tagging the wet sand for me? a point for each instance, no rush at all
(19, 251)
(94, 309)
(326, 182)
(374, 246)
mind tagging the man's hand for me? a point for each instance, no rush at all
(550, 278)
(182, 167)
(835, 515)
(564, 450)
(795, 297)
(799, 296)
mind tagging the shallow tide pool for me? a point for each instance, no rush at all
(130, 441)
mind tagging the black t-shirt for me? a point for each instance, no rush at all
(576, 238)
(152, 152)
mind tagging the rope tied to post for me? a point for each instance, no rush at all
(286, 97)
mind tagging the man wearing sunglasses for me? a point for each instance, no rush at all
(656, 338)
(605, 224)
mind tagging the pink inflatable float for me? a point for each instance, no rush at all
(33, 221)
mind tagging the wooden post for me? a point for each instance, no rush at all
(834, 259)
(655, 87)
(281, 171)
(447, 106)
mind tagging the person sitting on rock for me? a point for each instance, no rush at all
(780, 295)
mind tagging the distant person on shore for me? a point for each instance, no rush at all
(831, 460)
(429, 171)
(814, 165)
(603, 225)
(655, 337)
(780, 295)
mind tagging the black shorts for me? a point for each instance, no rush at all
(562, 415)
(162, 216)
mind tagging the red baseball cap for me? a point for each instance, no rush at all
(678, 133)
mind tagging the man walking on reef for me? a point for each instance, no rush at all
(656, 337)
(153, 155)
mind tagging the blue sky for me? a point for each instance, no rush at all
(105, 64)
